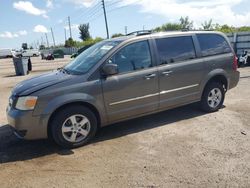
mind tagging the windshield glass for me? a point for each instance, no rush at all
(90, 57)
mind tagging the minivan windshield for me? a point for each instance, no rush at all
(90, 57)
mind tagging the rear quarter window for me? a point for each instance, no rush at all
(213, 44)
(175, 49)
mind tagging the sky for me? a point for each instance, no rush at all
(28, 21)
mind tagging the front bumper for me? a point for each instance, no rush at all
(25, 125)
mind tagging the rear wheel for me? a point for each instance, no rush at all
(73, 126)
(213, 97)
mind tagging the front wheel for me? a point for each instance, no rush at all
(213, 97)
(73, 126)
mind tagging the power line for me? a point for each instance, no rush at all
(88, 11)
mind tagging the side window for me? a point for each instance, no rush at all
(133, 57)
(175, 49)
(213, 44)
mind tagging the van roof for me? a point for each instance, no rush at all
(160, 34)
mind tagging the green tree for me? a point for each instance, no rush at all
(70, 43)
(168, 27)
(84, 31)
(25, 46)
(244, 29)
(41, 47)
(185, 23)
(208, 25)
(225, 28)
(117, 35)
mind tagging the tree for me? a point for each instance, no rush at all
(208, 25)
(25, 46)
(41, 47)
(185, 23)
(84, 31)
(117, 35)
(244, 29)
(225, 28)
(168, 27)
(70, 43)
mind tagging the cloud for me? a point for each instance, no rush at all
(40, 29)
(29, 8)
(73, 26)
(85, 3)
(10, 35)
(22, 32)
(49, 4)
(221, 11)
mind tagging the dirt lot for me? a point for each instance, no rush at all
(177, 148)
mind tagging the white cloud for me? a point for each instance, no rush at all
(85, 3)
(73, 26)
(49, 4)
(40, 29)
(22, 32)
(10, 35)
(221, 11)
(29, 8)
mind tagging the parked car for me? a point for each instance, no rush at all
(6, 53)
(50, 57)
(80, 51)
(30, 53)
(124, 78)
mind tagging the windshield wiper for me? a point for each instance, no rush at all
(64, 70)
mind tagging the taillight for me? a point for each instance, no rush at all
(235, 63)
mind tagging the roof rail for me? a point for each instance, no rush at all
(141, 32)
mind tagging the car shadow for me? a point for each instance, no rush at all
(13, 149)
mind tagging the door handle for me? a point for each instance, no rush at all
(166, 73)
(148, 77)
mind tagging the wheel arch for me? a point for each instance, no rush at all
(80, 103)
(220, 78)
(216, 75)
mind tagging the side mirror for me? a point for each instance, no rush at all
(109, 69)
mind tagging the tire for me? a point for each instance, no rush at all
(67, 128)
(212, 97)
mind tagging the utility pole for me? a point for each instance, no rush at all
(126, 30)
(42, 40)
(105, 17)
(53, 37)
(69, 27)
(143, 28)
(47, 40)
(65, 34)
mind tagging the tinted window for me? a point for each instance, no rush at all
(175, 49)
(212, 44)
(133, 57)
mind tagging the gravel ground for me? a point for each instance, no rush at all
(182, 147)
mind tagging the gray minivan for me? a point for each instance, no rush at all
(124, 78)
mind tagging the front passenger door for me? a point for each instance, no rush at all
(134, 90)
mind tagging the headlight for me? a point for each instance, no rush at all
(26, 103)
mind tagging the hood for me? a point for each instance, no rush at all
(40, 82)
